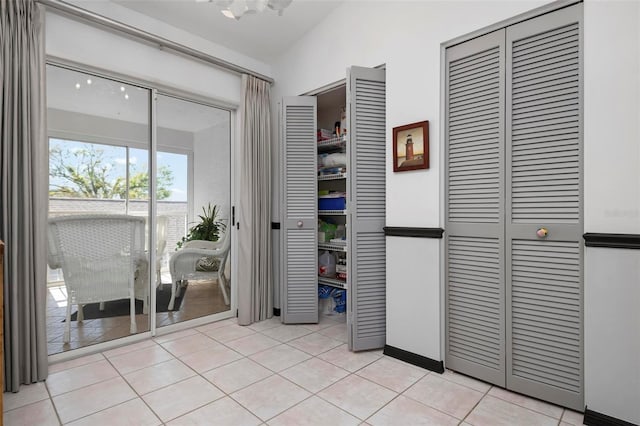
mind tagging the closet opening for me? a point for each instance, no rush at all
(333, 223)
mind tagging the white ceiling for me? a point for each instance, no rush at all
(71, 91)
(262, 36)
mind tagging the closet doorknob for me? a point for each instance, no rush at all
(542, 232)
(300, 224)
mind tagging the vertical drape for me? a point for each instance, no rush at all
(23, 182)
(255, 286)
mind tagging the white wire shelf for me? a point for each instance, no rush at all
(341, 246)
(331, 144)
(333, 176)
(332, 212)
(332, 282)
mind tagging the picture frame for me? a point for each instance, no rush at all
(411, 147)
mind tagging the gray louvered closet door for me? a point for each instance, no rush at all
(299, 205)
(475, 323)
(544, 157)
(514, 309)
(367, 258)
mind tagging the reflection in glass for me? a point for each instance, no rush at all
(98, 209)
(194, 149)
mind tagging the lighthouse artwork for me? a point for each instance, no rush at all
(411, 147)
(408, 149)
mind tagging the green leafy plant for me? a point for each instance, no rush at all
(208, 229)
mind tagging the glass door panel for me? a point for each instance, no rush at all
(98, 209)
(193, 208)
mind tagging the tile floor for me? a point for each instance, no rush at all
(267, 373)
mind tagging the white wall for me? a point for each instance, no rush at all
(406, 37)
(88, 45)
(211, 169)
(612, 332)
(413, 310)
(612, 205)
(612, 117)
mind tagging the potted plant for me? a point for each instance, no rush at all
(208, 229)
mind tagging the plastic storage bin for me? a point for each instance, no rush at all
(338, 203)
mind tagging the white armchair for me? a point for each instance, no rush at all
(183, 264)
(99, 256)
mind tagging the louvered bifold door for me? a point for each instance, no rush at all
(544, 192)
(366, 207)
(474, 273)
(299, 205)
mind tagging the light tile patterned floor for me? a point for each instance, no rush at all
(267, 373)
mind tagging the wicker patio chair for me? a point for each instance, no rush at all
(183, 264)
(99, 256)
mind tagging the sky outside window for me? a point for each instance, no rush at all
(71, 163)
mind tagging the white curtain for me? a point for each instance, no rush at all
(23, 183)
(255, 286)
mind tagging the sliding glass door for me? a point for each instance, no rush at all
(193, 147)
(108, 273)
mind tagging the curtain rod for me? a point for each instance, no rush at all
(161, 42)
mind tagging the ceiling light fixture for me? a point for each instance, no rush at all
(235, 9)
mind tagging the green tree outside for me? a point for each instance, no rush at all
(84, 173)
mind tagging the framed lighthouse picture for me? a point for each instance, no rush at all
(411, 147)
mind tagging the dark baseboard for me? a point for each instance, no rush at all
(400, 231)
(626, 241)
(594, 418)
(276, 312)
(415, 359)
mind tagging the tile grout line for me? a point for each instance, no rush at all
(349, 373)
(484, 395)
(55, 409)
(225, 394)
(275, 373)
(530, 409)
(438, 409)
(99, 411)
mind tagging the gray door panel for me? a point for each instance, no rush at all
(366, 302)
(544, 157)
(299, 254)
(474, 276)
